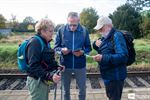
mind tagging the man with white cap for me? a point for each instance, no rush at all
(112, 57)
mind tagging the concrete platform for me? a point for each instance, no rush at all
(93, 94)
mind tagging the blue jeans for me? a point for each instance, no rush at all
(114, 89)
(80, 76)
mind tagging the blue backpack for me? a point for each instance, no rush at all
(21, 54)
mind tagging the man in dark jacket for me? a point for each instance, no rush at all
(72, 42)
(41, 62)
(112, 57)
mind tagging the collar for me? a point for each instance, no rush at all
(42, 38)
(79, 28)
(110, 34)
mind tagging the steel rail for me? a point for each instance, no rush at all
(89, 75)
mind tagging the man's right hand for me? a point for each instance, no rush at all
(65, 51)
(98, 43)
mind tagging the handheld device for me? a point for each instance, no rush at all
(77, 50)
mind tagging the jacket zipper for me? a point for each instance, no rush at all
(73, 50)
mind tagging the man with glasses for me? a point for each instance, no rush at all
(72, 42)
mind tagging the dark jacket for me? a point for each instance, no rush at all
(73, 41)
(113, 63)
(41, 63)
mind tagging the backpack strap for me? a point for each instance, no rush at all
(62, 30)
(41, 42)
(112, 39)
(113, 33)
(84, 31)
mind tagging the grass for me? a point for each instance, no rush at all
(8, 55)
(142, 45)
(9, 46)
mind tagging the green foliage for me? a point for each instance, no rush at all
(22, 27)
(2, 21)
(94, 36)
(88, 18)
(142, 52)
(27, 25)
(13, 23)
(139, 5)
(8, 57)
(30, 27)
(126, 18)
(28, 20)
(8, 53)
(142, 57)
(145, 25)
(142, 45)
(2, 36)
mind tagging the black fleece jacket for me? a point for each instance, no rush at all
(41, 63)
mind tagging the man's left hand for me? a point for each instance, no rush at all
(97, 57)
(78, 53)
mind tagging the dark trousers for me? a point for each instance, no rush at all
(114, 89)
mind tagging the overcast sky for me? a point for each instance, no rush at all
(56, 10)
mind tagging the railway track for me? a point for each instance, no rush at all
(17, 81)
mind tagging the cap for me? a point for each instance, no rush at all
(102, 21)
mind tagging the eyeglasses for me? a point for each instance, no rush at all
(73, 25)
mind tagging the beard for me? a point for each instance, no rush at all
(104, 34)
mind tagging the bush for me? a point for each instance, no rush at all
(2, 36)
(142, 57)
(8, 57)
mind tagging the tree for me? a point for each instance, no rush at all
(22, 27)
(2, 21)
(139, 5)
(28, 24)
(28, 20)
(145, 25)
(88, 18)
(14, 23)
(126, 18)
(57, 27)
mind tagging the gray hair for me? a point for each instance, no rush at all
(73, 14)
(43, 24)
